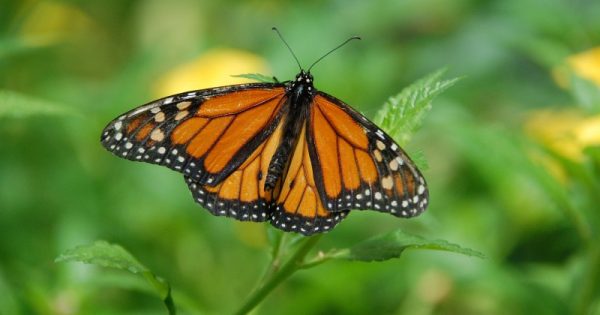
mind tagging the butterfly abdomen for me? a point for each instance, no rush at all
(297, 106)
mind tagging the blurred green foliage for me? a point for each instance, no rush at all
(513, 155)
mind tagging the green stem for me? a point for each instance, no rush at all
(163, 288)
(292, 265)
(323, 257)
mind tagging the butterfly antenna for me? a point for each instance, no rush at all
(288, 46)
(336, 48)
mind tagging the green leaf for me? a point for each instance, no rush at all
(392, 245)
(402, 114)
(17, 105)
(256, 76)
(104, 254)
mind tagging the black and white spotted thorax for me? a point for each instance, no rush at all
(301, 88)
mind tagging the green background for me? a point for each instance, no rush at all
(68, 67)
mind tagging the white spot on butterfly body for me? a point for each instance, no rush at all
(378, 196)
(421, 189)
(128, 145)
(181, 159)
(379, 133)
(174, 151)
(404, 203)
(162, 150)
(168, 100)
(380, 145)
(118, 136)
(394, 147)
(118, 125)
(155, 110)
(394, 165)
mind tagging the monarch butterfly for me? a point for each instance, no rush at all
(281, 152)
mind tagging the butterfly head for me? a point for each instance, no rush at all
(304, 77)
(303, 81)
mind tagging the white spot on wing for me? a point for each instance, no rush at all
(159, 117)
(181, 115)
(157, 135)
(387, 182)
(184, 105)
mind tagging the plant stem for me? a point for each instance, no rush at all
(163, 288)
(286, 270)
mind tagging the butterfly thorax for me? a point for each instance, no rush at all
(301, 93)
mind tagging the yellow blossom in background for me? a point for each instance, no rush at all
(567, 132)
(48, 22)
(215, 68)
(586, 64)
(211, 69)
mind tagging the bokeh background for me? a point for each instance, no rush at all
(513, 153)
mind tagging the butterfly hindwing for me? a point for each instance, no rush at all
(359, 165)
(298, 206)
(204, 134)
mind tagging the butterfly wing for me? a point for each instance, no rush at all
(204, 134)
(241, 195)
(358, 166)
(298, 207)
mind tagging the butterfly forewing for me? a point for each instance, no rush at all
(359, 165)
(205, 134)
(241, 194)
